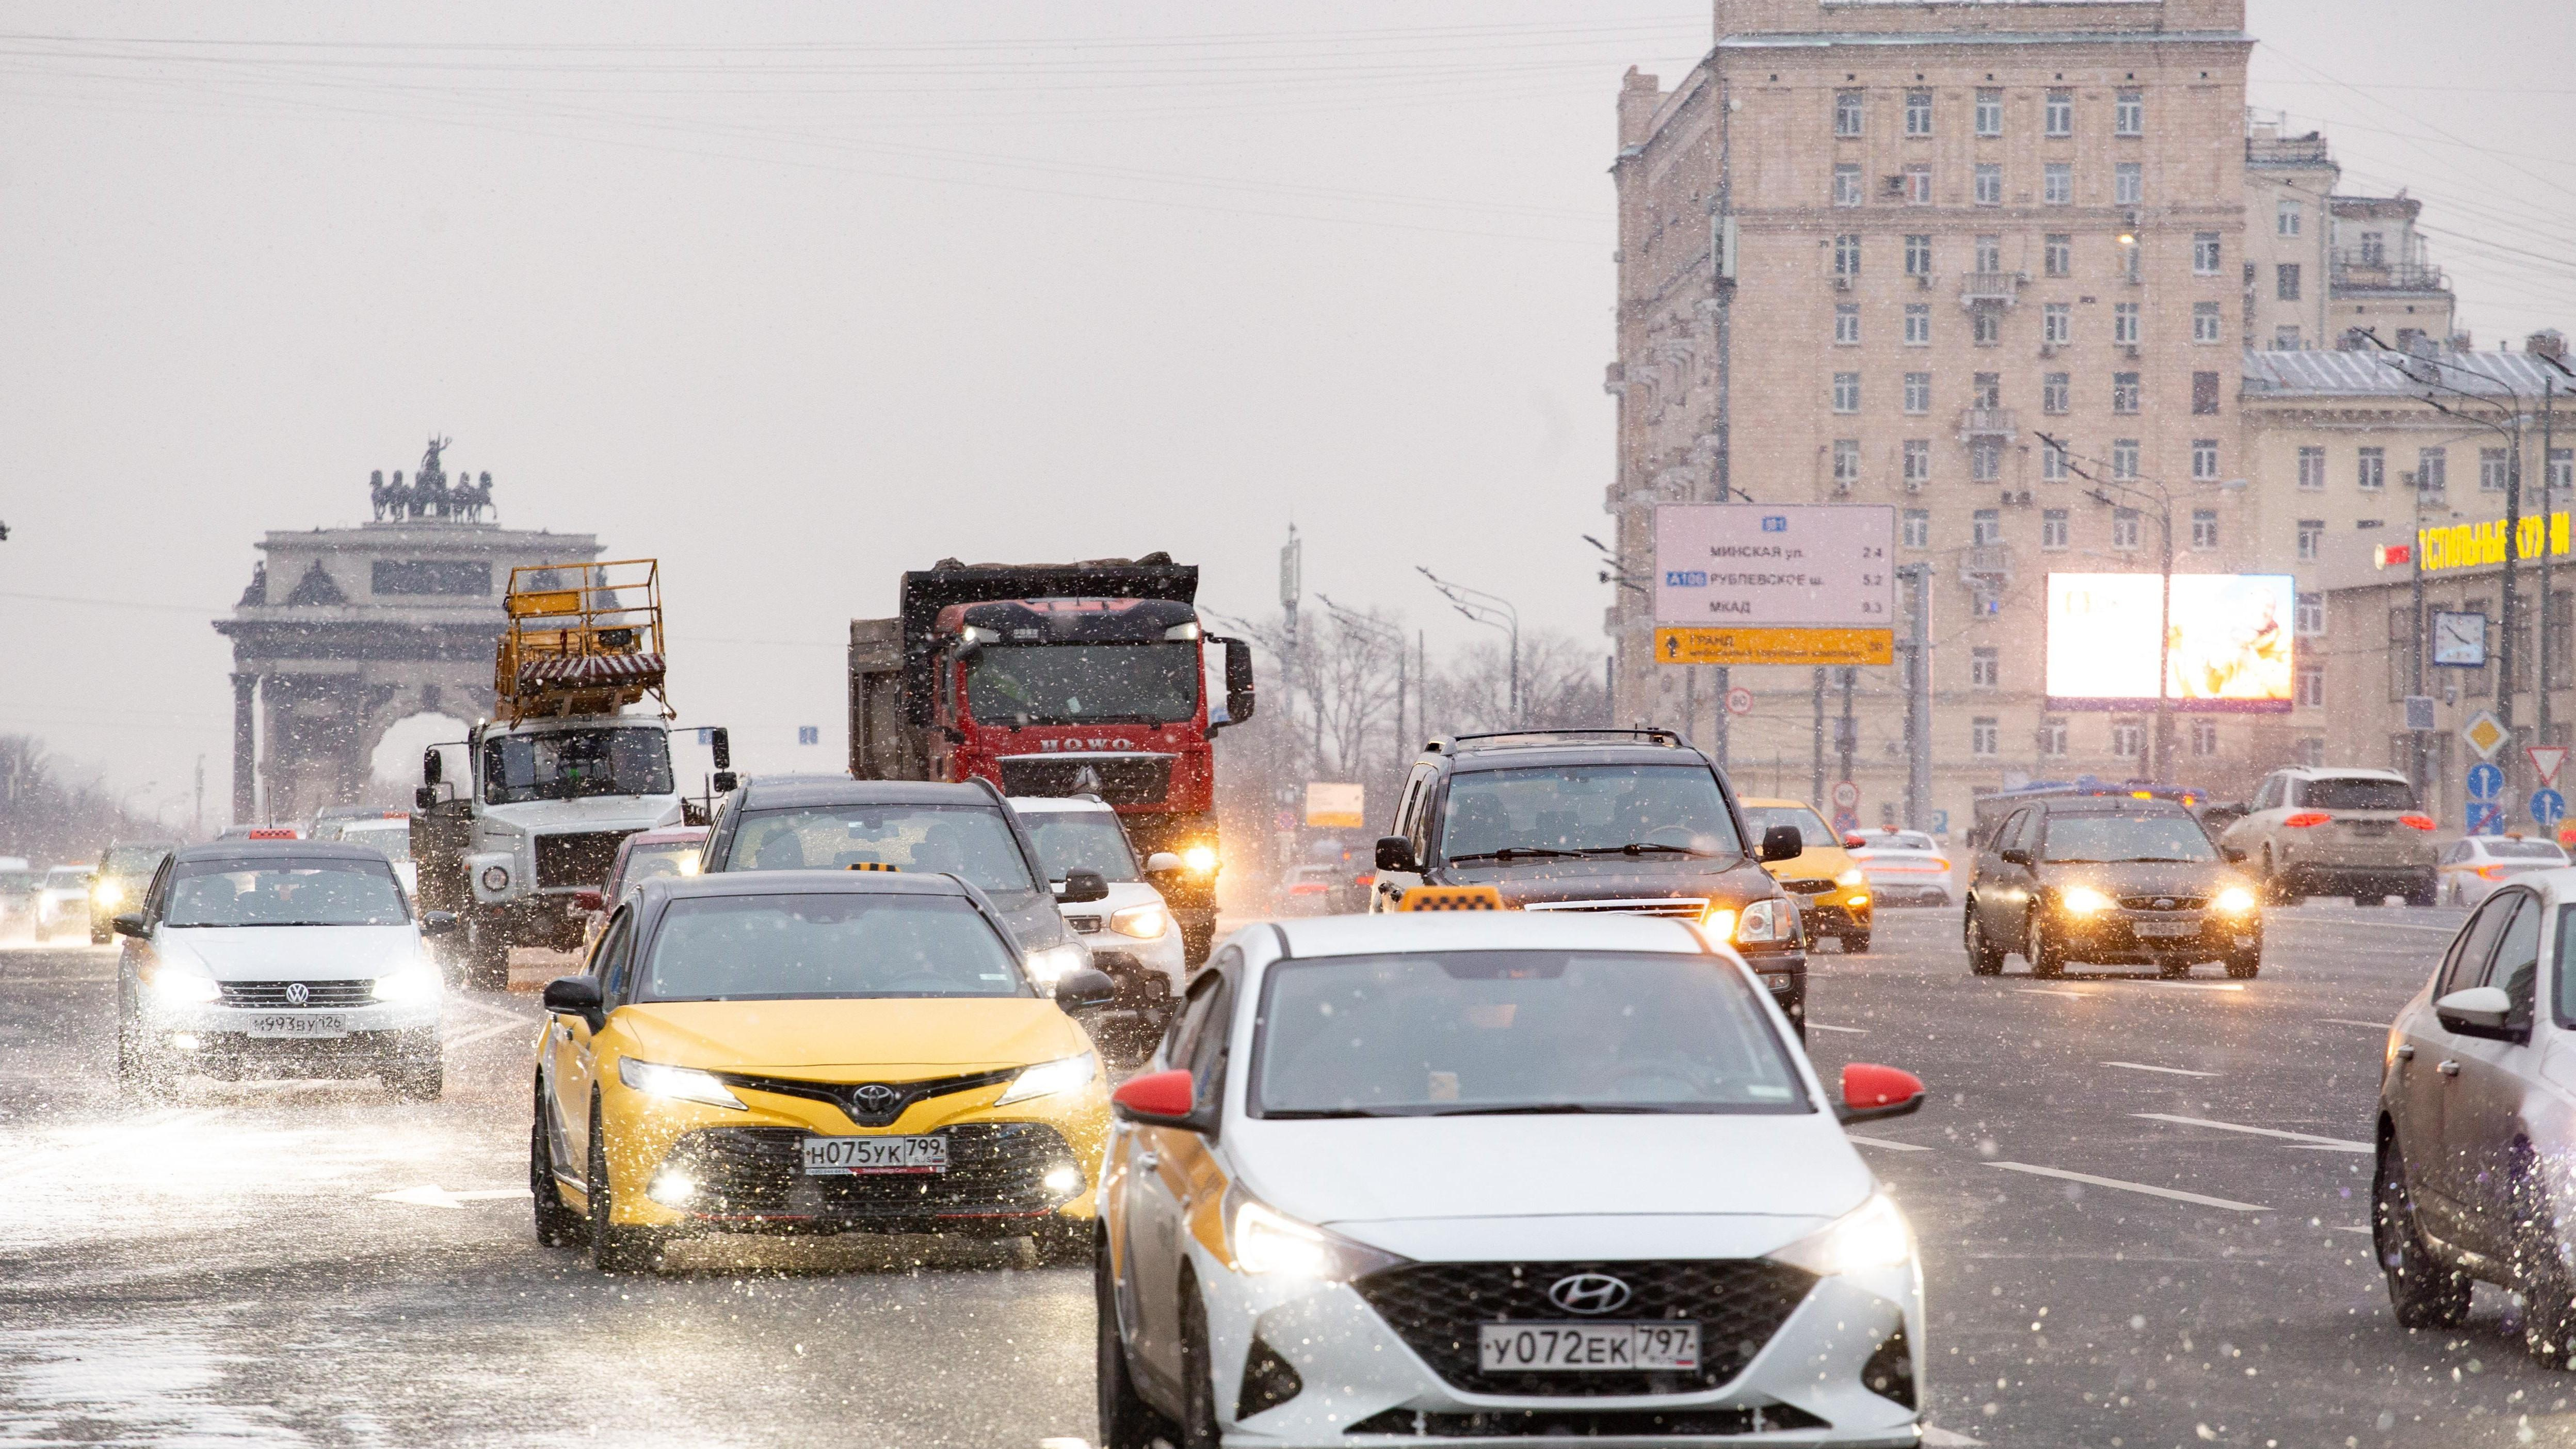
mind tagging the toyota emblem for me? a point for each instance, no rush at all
(1589, 1293)
(297, 993)
(876, 1099)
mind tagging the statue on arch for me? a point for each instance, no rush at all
(377, 497)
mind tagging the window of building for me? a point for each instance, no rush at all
(1985, 737)
(2061, 113)
(1918, 324)
(1986, 324)
(1846, 392)
(2285, 339)
(2056, 392)
(1847, 188)
(2057, 183)
(2130, 251)
(2124, 460)
(2129, 184)
(1987, 389)
(2312, 479)
(1990, 113)
(2491, 470)
(2204, 460)
(2204, 529)
(1990, 186)
(2124, 529)
(1847, 324)
(1985, 461)
(1918, 254)
(1990, 254)
(2204, 253)
(2372, 473)
(2208, 322)
(1847, 113)
(1986, 527)
(2059, 250)
(2124, 392)
(1846, 461)
(2128, 739)
(2124, 323)
(1918, 462)
(2129, 114)
(2312, 538)
(2052, 462)
(1918, 113)
(2052, 528)
(2308, 614)
(2286, 219)
(1918, 392)
(2312, 686)
(2432, 469)
(1918, 186)
(1847, 255)
(2204, 394)
(1918, 521)
(1985, 668)
(2562, 472)
(2374, 249)
(2204, 737)
(2286, 277)
(2052, 738)
(2056, 324)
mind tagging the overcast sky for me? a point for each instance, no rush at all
(797, 297)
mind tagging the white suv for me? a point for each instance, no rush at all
(1131, 933)
(2314, 831)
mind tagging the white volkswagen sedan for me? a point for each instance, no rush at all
(1470, 1177)
(1131, 932)
(278, 958)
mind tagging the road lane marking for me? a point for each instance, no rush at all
(2149, 1189)
(432, 1195)
(1934, 1438)
(453, 1042)
(2168, 1071)
(1883, 1142)
(2310, 1139)
(1845, 1030)
(2190, 985)
(2349, 1021)
(2050, 991)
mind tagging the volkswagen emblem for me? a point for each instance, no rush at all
(1589, 1293)
(297, 993)
(876, 1099)
(2164, 903)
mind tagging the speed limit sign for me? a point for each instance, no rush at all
(1739, 700)
(1846, 795)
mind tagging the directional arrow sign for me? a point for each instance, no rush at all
(2546, 759)
(2548, 807)
(2486, 781)
(439, 1197)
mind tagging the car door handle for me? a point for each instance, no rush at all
(2406, 1053)
(1148, 1160)
(2449, 1069)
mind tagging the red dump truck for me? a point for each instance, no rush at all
(1060, 679)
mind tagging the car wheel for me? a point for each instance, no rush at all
(1062, 1242)
(2540, 1272)
(135, 1074)
(558, 1226)
(2423, 1292)
(1983, 959)
(98, 937)
(2421, 895)
(1198, 1374)
(415, 1075)
(1126, 1420)
(2046, 958)
(1856, 943)
(2276, 890)
(2244, 965)
(613, 1249)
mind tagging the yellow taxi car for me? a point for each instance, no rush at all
(1831, 892)
(814, 1052)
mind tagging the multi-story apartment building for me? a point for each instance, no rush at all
(2320, 266)
(1978, 261)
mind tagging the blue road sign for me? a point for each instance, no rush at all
(2486, 817)
(2486, 781)
(2548, 807)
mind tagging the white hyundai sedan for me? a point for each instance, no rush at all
(1408, 1178)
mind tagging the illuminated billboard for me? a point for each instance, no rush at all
(2230, 648)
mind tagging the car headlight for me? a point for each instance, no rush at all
(1851, 877)
(2083, 901)
(1767, 922)
(1267, 1241)
(1048, 964)
(1199, 859)
(173, 987)
(2235, 900)
(683, 1084)
(1145, 923)
(1874, 1235)
(108, 894)
(418, 981)
(496, 878)
(1048, 1078)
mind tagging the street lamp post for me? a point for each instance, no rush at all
(1494, 611)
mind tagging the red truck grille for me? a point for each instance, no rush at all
(1116, 779)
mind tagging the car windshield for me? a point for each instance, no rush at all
(1898, 840)
(2524, 850)
(571, 764)
(19, 881)
(2125, 837)
(1439, 1033)
(283, 891)
(645, 862)
(1154, 683)
(67, 878)
(391, 839)
(134, 859)
(968, 841)
(1081, 840)
(1580, 808)
(1812, 830)
(2356, 794)
(804, 947)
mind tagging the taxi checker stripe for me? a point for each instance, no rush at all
(1451, 898)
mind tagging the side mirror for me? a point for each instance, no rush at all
(1081, 886)
(1163, 1099)
(2235, 853)
(1239, 700)
(1395, 852)
(425, 799)
(437, 923)
(720, 745)
(432, 768)
(2478, 1011)
(1161, 861)
(130, 924)
(1084, 988)
(1781, 842)
(724, 782)
(573, 996)
(1872, 1092)
(1855, 842)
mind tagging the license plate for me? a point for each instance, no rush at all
(2166, 928)
(299, 1025)
(1587, 1347)
(868, 1156)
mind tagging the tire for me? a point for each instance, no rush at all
(2424, 1293)
(98, 937)
(2046, 960)
(137, 1075)
(487, 956)
(1198, 1424)
(2244, 967)
(613, 1249)
(2421, 895)
(1063, 1242)
(1126, 1420)
(1983, 960)
(2275, 890)
(416, 1076)
(558, 1226)
(1856, 943)
(2539, 1271)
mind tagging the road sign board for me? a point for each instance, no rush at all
(2486, 781)
(1336, 806)
(1784, 583)
(1846, 795)
(1846, 823)
(1739, 700)
(2483, 734)
(2419, 713)
(2548, 807)
(2546, 759)
(2486, 817)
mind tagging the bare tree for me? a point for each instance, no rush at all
(1561, 688)
(52, 819)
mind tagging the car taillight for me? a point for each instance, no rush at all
(2494, 872)
(2416, 822)
(2306, 818)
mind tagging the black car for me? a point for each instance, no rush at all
(2102, 879)
(1631, 821)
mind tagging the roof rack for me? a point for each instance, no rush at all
(1440, 744)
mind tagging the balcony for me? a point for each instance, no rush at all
(1988, 424)
(1986, 566)
(2360, 271)
(1990, 289)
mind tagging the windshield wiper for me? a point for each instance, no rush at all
(1318, 1114)
(1515, 852)
(2160, 860)
(1546, 1109)
(1648, 847)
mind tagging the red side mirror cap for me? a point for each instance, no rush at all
(1155, 1095)
(1871, 1091)
(1854, 842)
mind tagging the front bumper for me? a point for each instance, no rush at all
(1784, 974)
(2116, 935)
(238, 1023)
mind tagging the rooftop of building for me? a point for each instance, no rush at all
(2372, 372)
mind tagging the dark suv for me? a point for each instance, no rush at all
(1630, 821)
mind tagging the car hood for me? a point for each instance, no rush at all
(1816, 862)
(1734, 880)
(291, 953)
(1350, 1173)
(872, 1039)
(594, 812)
(2141, 877)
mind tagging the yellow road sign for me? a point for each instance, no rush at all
(1775, 646)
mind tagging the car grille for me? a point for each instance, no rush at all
(995, 1169)
(1579, 1424)
(1116, 779)
(1689, 906)
(316, 993)
(2164, 903)
(869, 1104)
(577, 861)
(1807, 887)
(1738, 1304)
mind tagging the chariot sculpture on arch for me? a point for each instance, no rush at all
(429, 494)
